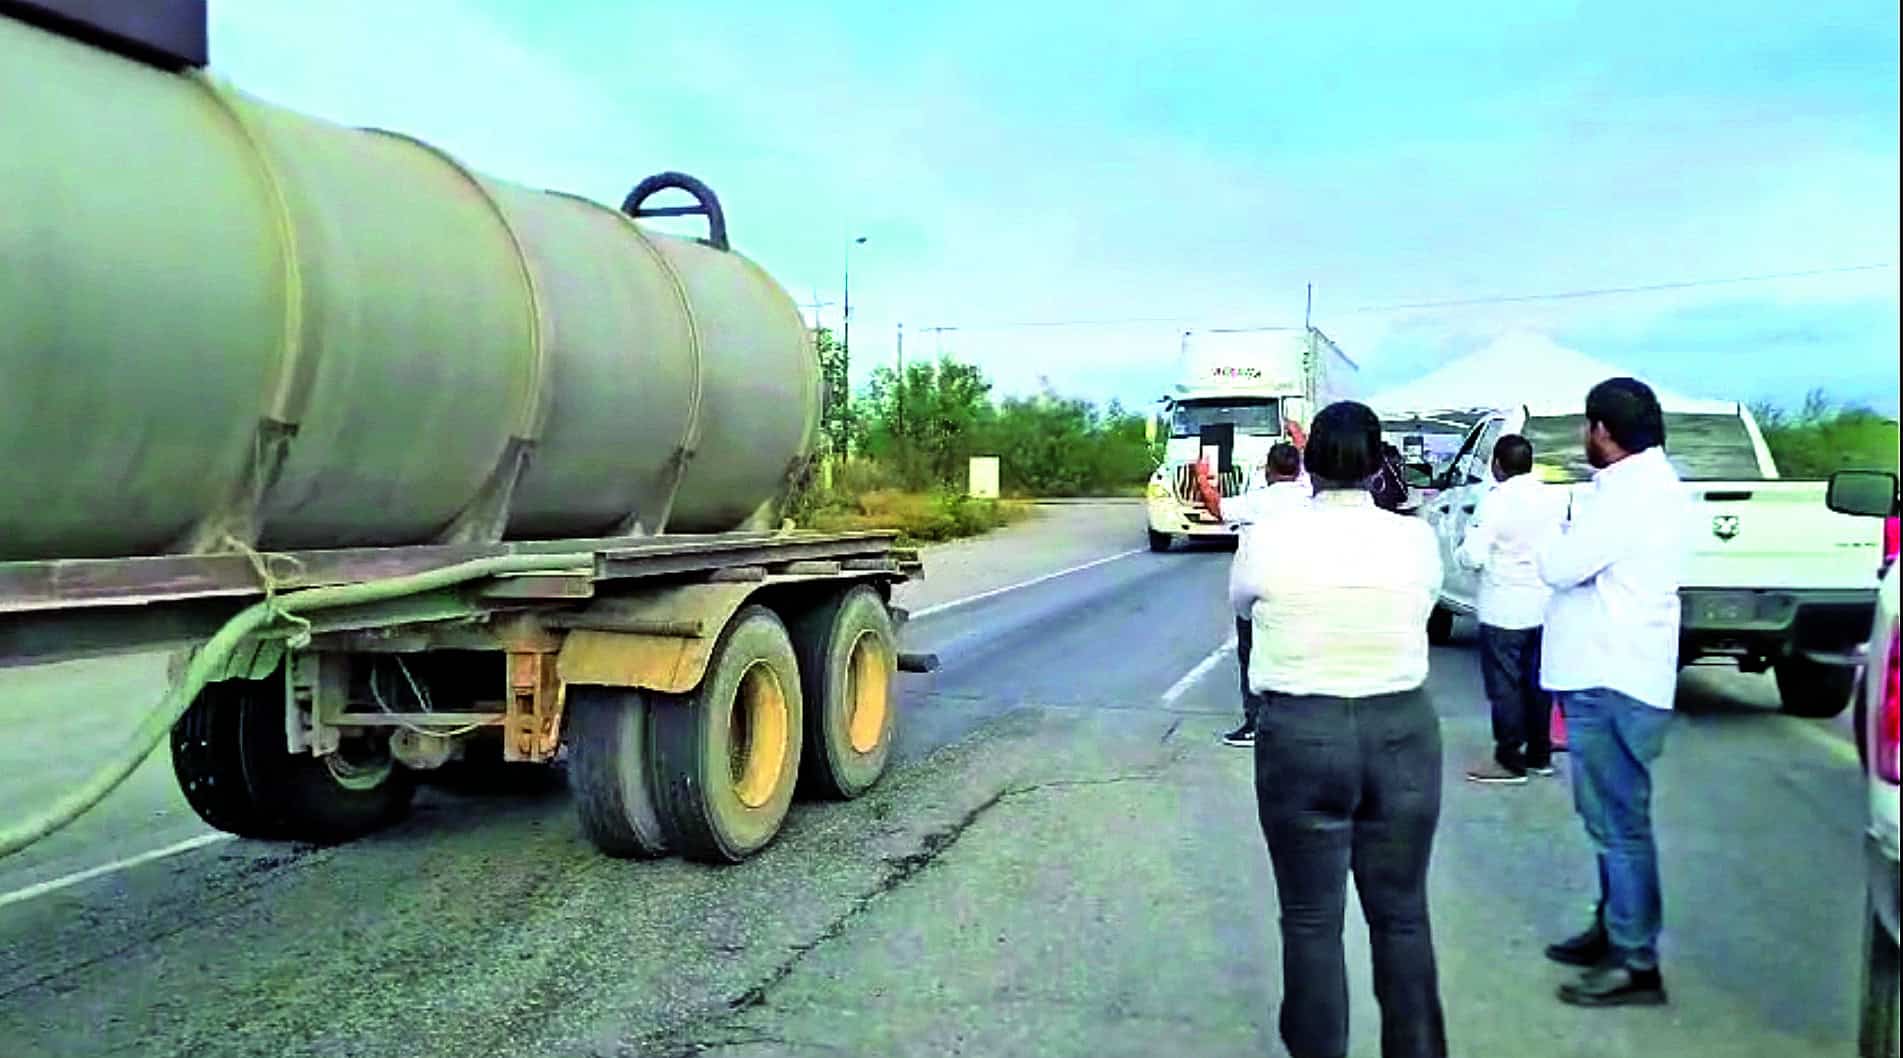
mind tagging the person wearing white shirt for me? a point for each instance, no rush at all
(1282, 490)
(1347, 742)
(1611, 656)
(1510, 522)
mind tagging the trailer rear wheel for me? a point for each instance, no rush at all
(727, 754)
(231, 761)
(610, 769)
(848, 672)
(208, 761)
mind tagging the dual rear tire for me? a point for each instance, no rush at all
(233, 764)
(711, 774)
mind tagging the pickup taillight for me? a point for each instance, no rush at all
(1886, 719)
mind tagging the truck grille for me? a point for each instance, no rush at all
(1183, 482)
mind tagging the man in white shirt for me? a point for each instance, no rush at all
(1510, 522)
(1611, 655)
(1285, 491)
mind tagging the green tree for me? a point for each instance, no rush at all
(929, 427)
(1825, 435)
(925, 431)
(835, 396)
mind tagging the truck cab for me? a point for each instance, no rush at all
(1240, 395)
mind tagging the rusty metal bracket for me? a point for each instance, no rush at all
(532, 722)
(314, 691)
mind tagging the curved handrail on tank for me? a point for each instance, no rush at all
(706, 204)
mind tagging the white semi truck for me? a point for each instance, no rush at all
(1239, 393)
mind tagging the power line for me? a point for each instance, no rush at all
(1608, 291)
(1504, 299)
(1017, 324)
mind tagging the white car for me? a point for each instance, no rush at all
(1874, 493)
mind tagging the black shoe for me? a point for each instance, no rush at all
(1587, 949)
(1243, 736)
(1615, 986)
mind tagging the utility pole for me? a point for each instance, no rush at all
(1308, 310)
(939, 337)
(845, 323)
(901, 381)
(816, 305)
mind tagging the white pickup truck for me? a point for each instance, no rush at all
(1776, 580)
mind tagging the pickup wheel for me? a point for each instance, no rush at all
(726, 756)
(1807, 688)
(610, 770)
(1161, 541)
(231, 762)
(1877, 1037)
(848, 659)
(1440, 627)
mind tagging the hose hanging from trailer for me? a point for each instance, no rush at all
(268, 617)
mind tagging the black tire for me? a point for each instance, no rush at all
(209, 763)
(727, 755)
(610, 770)
(1440, 627)
(1877, 1037)
(240, 778)
(848, 657)
(1161, 541)
(1806, 688)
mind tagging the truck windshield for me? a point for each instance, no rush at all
(1259, 416)
(1701, 447)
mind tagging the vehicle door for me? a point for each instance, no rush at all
(1467, 479)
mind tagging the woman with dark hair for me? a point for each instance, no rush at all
(1347, 749)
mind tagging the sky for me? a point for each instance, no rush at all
(1150, 168)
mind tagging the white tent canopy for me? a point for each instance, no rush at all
(1521, 368)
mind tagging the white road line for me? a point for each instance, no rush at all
(1182, 686)
(969, 599)
(54, 885)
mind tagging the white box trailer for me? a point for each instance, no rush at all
(1239, 393)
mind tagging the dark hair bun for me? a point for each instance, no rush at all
(1345, 443)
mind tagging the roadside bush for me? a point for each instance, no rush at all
(918, 517)
(1825, 436)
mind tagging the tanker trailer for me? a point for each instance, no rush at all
(412, 463)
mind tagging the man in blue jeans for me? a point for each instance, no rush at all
(1611, 655)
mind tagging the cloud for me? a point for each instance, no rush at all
(1017, 163)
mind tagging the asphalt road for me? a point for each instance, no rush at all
(1063, 863)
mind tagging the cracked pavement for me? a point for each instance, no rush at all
(1057, 865)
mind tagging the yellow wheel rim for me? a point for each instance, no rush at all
(757, 735)
(868, 683)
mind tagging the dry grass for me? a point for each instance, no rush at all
(918, 517)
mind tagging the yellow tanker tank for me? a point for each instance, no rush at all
(225, 323)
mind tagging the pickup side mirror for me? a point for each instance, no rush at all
(1870, 493)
